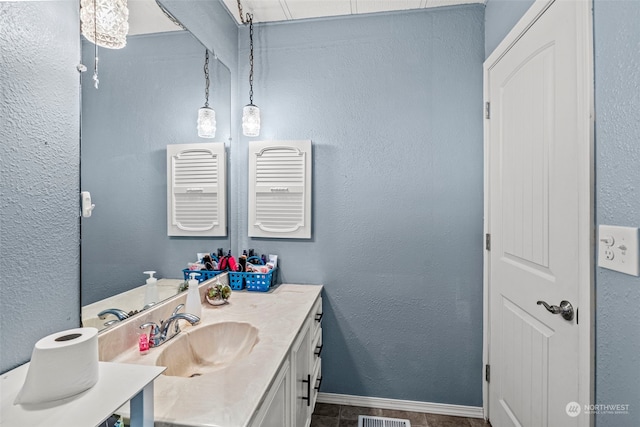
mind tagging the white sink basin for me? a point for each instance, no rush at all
(208, 348)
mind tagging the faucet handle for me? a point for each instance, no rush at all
(120, 314)
(147, 306)
(149, 324)
(153, 340)
(175, 311)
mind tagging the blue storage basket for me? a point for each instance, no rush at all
(260, 282)
(236, 280)
(203, 274)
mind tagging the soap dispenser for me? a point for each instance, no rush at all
(194, 304)
(151, 290)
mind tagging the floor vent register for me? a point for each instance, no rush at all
(369, 421)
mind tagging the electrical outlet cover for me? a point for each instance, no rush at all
(618, 249)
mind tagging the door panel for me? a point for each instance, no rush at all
(524, 385)
(525, 160)
(534, 182)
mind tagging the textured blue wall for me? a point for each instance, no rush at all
(149, 96)
(393, 104)
(39, 156)
(617, 60)
(500, 17)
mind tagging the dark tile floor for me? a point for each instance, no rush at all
(326, 415)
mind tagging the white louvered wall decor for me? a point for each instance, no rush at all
(196, 190)
(280, 189)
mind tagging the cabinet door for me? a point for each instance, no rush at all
(301, 375)
(276, 409)
(316, 363)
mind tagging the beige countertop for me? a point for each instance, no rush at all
(230, 396)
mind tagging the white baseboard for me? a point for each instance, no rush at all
(402, 405)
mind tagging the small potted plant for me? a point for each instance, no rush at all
(218, 294)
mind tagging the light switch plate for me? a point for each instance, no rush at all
(618, 249)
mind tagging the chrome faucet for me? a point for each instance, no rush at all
(120, 314)
(166, 332)
(165, 327)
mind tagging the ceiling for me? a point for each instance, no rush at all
(146, 17)
(285, 10)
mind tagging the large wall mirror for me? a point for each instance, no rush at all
(148, 97)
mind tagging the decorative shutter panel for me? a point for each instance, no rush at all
(196, 190)
(280, 189)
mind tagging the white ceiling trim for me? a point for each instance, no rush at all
(287, 10)
(146, 17)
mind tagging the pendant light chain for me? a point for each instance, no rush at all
(206, 114)
(242, 19)
(250, 112)
(206, 78)
(250, 17)
(170, 16)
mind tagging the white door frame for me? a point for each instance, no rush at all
(585, 196)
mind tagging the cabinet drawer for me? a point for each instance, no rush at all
(316, 344)
(316, 379)
(316, 311)
(316, 316)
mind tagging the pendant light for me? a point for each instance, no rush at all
(105, 22)
(206, 115)
(250, 112)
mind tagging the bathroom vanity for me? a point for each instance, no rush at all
(255, 362)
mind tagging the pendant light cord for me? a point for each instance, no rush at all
(95, 45)
(206, 78)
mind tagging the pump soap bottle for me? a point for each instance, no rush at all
(151, 290)
(194, 304)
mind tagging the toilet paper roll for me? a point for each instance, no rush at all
(62, 365)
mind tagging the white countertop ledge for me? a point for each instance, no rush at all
(229, 397)
(117, 384)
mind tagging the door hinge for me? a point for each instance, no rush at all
(487, 373)
(487, 241)
(487, 110)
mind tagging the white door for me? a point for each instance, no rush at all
(535, 185)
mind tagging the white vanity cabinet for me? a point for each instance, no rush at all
(275, 411)
(301, 375)
(306, 367)
(290, 400)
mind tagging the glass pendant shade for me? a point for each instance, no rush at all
(206, 122)
(108, 26)
(251, 120)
